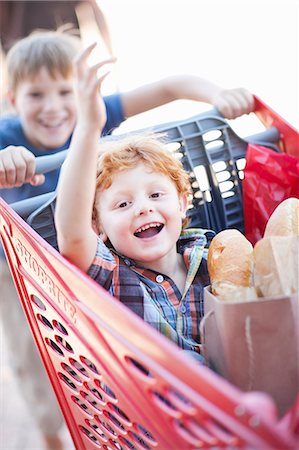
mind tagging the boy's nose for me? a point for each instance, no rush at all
(51, 103)
(144, 208)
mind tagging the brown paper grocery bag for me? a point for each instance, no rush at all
(254, 344)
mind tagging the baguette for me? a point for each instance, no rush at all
(284, 221)
(230, 266)
(276, 255)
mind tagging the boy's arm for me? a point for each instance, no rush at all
(17, 166)
(230, 102)
(76, 188)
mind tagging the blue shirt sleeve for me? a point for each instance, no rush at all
(115, 113)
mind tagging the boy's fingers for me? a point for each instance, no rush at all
(2, 175)
(36, 180)
(9, 169)
(17, 166)
(81, 59)
(99, 65)
(85, 53)
(24, 162)
(102, 77)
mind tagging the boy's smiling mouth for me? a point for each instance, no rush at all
(52, 125)
(148, 230)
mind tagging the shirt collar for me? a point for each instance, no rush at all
(191, 244)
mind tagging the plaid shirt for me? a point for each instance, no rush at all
(154, 296)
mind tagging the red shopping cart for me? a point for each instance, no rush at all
(119, 383)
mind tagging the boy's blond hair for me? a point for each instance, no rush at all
(149, 149)
(54, 50)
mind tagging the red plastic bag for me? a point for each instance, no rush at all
(269, 178)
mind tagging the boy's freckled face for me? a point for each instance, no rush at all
(141, 213)
(47, 109)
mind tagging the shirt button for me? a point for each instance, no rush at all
(183, 309)
(159, 278)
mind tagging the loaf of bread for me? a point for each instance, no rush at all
(284, 221)
(230, 266)
(276, 256)
(276, 266)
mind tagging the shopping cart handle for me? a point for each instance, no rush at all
(25, 207)
(51, 162)
(47, 163)
(270, 135)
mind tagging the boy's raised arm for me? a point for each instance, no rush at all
(76, 188)
(230, 102)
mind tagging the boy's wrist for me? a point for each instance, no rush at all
(87, 131)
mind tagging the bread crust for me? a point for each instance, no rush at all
(230, 266)
(284, 221)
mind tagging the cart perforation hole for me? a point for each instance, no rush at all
(147, 435)
(107, 427)
(54, 347)
(223, 176)
(141, 442)
(121, 416)
(227, 194)
(81, 405)
(79, 367)
(105, 390)
(91, 401)
(98, 430)
(64, 343)
(112, 445)
(226, 186)
(127, 444)
(241, 163)
(219, 166)
(223, 434)
(37, 302)
(95, 392)
(67, 381)
(71, 372)
(173, 147)
(215, 146)
(212, 135)
(181, 402)
(165, 404)
(202, 178)
(45, 321)
(178, 155)
(187, 434)
(138, 368)
(60, 327)
(202, 433)
(89, 364)
(119, 426)
(88, 434)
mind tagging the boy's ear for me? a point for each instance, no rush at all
(103, 236)
(11, 98)
(183, 205)
(97, 229)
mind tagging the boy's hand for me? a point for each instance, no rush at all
(17, 166)
(233, 103)
(91, 107)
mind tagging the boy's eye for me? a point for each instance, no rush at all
(122, 204)
(156, 195)
(35, 94)
(66, 92)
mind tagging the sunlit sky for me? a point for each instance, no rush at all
(249, 43)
